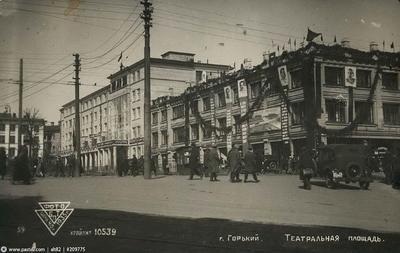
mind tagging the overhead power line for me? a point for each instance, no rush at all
(115, 32)
(118, 43)
(41, 89)
(116, 56)
(38, 82)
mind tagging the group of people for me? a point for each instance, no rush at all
(134, 166)
(21, 166)
(212, 161)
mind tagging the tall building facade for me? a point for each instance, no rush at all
(316, 94)
(112, 118)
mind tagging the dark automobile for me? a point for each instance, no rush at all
(336, 163)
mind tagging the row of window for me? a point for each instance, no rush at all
(335, 76)
(179, 134)
(3, 139)
(125, 80)
(336, 111)
(3, 127)
(12, 139)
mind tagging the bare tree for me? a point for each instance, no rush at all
(30, 127)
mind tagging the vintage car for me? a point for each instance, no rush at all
(336, 163)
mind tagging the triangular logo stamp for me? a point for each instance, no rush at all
(54, 214)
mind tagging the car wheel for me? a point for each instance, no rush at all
(364, 185)
(307, 183)
(330, 184)
(272, 165)
(353, 171)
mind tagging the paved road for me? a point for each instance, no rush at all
(275, 204)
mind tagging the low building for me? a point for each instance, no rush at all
(316, 94)
(31, 134)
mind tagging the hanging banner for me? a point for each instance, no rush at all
(228, 94)
(350, 76)
(283, 76)
(242, 88)
(265, 120)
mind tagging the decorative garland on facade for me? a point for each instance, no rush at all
(255, 106)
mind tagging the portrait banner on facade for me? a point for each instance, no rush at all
(242, 88)
(283, 76)
(228, 94)
(350, 76)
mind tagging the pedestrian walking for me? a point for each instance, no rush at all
(251, 165)
(59, 167)
(194, 162)
(21, 170)
(3, 162)
(141, 165)
(153, 165)
(234, 160)
(133, 166)
(40, 171)
(387, 164)
(213, 160)
(35, 162)
(71, 165)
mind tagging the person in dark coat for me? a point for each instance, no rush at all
(387, 164)
(194, 163)
(213, 160)
(234, 162)
(141, 165)
(71, 165)
(133, 166)
(396, 172)
(153, 165)
(59, 167)
(3, 162)
(21, 171)
(250, 161)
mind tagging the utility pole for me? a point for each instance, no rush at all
(146, 16)
(21, 86)
(77, 146)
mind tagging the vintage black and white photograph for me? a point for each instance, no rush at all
(199, 126)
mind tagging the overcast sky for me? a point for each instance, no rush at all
(47, 32)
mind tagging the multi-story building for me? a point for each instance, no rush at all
(31, 134)
(329, 94)
(94, 125)
(52, 140)
(112, 118)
